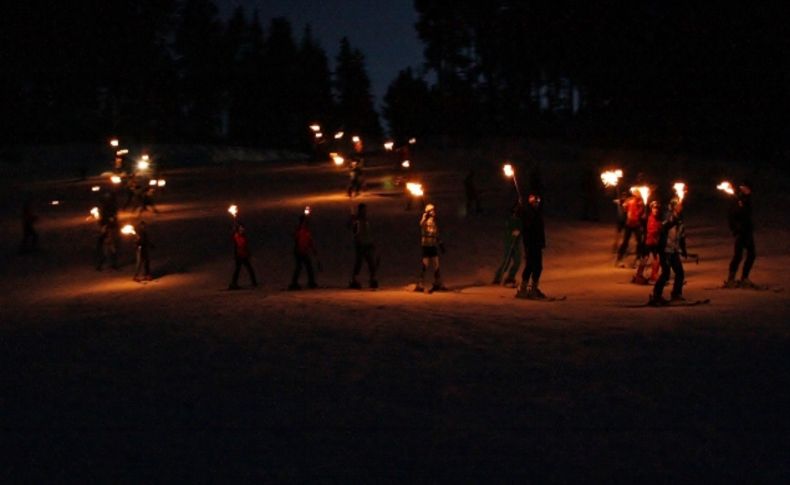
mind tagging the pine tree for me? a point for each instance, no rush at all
(355, 102)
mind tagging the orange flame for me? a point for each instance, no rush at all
(128, 230)
(234, 210)
(415, 189)
(726, 187)
(508, 169)
(680, 190)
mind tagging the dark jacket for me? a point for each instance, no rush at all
(740, 216)
(534, 229)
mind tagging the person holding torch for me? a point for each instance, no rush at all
(304, 248)
(742, 227)
(672, 245)
(241, 255)
(534, 238)
(634, 208)
(431, 245)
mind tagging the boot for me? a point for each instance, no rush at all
(522, 291)
(354, 284)
(731, 283)
(657, 300)
(746, 283)
(535, 293)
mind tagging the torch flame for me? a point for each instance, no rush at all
(319, 135)
(143, 164)
(726, 187)
(95, 188)
(680, 190)
(161, 182)
(644, 191)
(355, 139)
(339, 135)
(611, 178)
(337, 159)
(389, 146)
(307, 210)
(122, 152)
(315, 127)
(405, 164)
(152, 182)
(234, 210)
(55, 202)
(128, 230)
(114, 142)
(508, 169)
(412, 141)
(414, 188)
(95, 213)
(115, 179)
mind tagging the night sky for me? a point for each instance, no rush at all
(382, 30)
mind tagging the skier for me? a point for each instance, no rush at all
(652, 236)
(304, 248)
(107, 242)
(472, 194)
(671, 246)
(364, 248)
(241, 255)
(431, 245)
(355, 174)
(512, 249)
(147, 200)
(534, 243)
(143, 246)
(634, 208)
(742, 227)
(29, 234)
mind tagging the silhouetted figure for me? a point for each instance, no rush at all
(534, 238)
(304, 248)
(472, 194)
(143, 247)
(634, 208)
(512, 257)
(672, 245)
(147, 200)
(742, 227)
(29, 235)
(355, 175)
(107, 242)
(364, 247)
(241, 255)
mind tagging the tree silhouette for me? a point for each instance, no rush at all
(355, 102)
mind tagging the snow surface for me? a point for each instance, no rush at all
(179, 376)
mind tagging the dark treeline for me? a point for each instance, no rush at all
(168, 70)
(674, 75)
(668, 74)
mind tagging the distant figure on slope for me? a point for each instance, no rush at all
(742, 227)
(107, 242)
(672, 245)
(241, 256)
(431, 245)
(512, 256)
(534, 242)
(652, 238)
(304, 248)
(29, 234)
(147, 200)
(364, 248)
(143, 246)
(472, 194)
(634, 208)
(355, 175)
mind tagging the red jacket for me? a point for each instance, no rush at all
(304, 240)
(634, 210)
(240, 244)
(653, 230)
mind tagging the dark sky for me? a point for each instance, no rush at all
(382, 30)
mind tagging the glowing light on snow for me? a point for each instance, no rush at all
(128, 230)
(234, 210)
(339, 135)
(114, 142)
(508, 169)
(680, 190)
(315, 127)
(405, 164)
(726, 187)
(611, 178)
(95, 188)
(415, 189)
(389, 146)
(115, 179)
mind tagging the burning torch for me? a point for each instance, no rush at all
(233, 210)
(726, 187)
(680, 190)
(511, 174)
(128, 230)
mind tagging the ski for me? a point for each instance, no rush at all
(671, 304)
(546, 299)
(775, 289)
